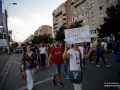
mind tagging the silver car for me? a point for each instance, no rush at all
(19, 49)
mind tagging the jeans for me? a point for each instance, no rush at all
(83, 62)
(43, 59)
(66, 66)
(77, 86)
(98, 57)
(57, 68)
(30, 78)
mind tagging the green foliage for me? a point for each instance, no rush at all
(42, 38)
(60, 33)
(111, 23)
(76, 25)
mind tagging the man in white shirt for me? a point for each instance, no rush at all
(104, 44)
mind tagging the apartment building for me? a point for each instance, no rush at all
(44, 29)
(90, 12)
(87, 12)
(59, 17)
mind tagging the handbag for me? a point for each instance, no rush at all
(75, 75)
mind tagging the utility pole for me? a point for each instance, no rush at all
(7, 36)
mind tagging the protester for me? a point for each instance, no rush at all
(75, 61)
(56, 55)
(29, 62)
(65, 62)
(100, 54)
(24, 48)
(104, 48)
(42, 51)
(87, 50)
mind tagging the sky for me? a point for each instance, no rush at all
(28, 15)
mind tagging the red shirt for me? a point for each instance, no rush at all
(57, 55)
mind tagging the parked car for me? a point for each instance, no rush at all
(18, 49)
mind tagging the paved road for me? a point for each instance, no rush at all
(93, 77)
(3, 59)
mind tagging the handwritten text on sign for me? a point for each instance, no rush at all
(78, 34)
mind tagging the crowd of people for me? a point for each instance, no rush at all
(72, 56)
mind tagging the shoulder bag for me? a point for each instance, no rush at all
(76, 76)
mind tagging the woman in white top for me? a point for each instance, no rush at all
(42, 51)
(74, 55)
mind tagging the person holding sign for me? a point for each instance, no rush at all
(75, 64)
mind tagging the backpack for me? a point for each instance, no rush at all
(118, 56)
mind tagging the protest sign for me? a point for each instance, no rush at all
(78, 35)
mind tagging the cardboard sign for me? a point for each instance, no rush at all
(78, 35)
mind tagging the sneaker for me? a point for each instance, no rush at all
(60, 84)
(97, 65)
(53, 82)
(64, 72)
(92, 62)
(107, 66)
(67, 77)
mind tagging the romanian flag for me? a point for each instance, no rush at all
(95, 43)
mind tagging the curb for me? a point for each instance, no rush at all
(5, 71)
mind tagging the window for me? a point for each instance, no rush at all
(69, 16)
(101, 15)
(78, 10)
(100, 0)
(114, 0)
(80, 16)
(93, 25)
(93, 18)
(83, 8)
(92, 12)
(92, 4)
(85, 13)
(85, 20)
(102, 22)
(101, 7)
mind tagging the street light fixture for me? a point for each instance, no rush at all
(8, 46)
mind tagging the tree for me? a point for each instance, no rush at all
(16, 44)
(60, 33)
(42, 38)
(111, 23)
(75, 25)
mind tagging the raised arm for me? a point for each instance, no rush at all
(66, 54)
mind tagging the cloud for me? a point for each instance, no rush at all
(26, 24)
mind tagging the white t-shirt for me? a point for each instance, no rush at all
(74, 60)
(42, 50)
(104, 44)
(81, 50)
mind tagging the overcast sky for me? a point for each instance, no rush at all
(28, 15)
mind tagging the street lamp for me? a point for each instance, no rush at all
(14, 36)
(8, 46)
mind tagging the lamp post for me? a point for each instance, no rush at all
(14, 37)
(7, 36)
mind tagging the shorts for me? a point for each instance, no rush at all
(57, 68)
(105, 52)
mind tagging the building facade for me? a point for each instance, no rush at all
(59, 17)
(44, 29)
(87, 12)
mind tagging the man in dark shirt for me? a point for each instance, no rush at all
(24, 49)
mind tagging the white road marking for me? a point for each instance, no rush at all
(17, 62)
(36, 83)
(17, 73)
(50, 72)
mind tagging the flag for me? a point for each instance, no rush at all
(1, 15)
(95, 43)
